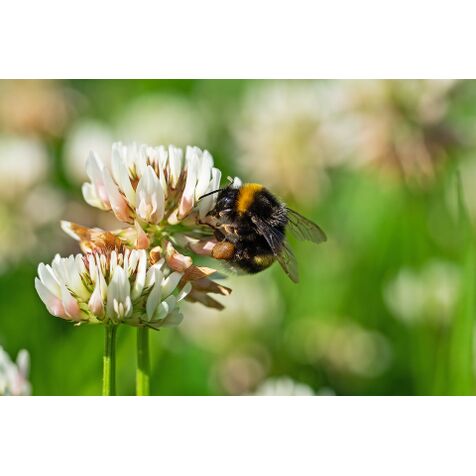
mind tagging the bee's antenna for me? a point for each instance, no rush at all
(231, 180)
(211, 193)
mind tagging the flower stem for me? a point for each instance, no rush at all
(143, 365)
(109, 361)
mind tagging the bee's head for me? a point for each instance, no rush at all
(233, 183)
(226, 196)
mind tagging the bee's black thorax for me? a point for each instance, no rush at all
(269, 209)
(234, 213)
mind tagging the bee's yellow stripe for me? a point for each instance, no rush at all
(246, 196)
(264, 260)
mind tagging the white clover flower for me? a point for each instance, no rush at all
(162, 119)
(83, 136)
(343, 347)
(283, 386)
(285, 127)
(118, 286)
(95, 240)
(216, 329)
(153, 185)
(386, 139)
(23, 191)
(23, 164)
(14, 375)
(428, 294)
(36, 106)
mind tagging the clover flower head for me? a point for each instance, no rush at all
(429, 294)
(116, 285)
(14, 375)
(153, 185)
(137, 275)
(283, 386)
(95, 240)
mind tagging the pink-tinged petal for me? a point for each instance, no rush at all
(120, 173)
(206, 203)
(188, 196)
(173, 218)
(204, 173)
(118, 202)
(52, 303)
(96, 303)
(158, 196)
(150, 197)
(71, 306)
(142, 242)
(162, 157)
(140, 160)
(185, 207)
(94, 169)
(48, 278)
(139, 282)
(175, 165)
(91, 198)
(170, 283)
(175, 260)
(203, 247)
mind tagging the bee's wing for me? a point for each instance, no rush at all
(288, 262)
(303, 228)
(279, 246)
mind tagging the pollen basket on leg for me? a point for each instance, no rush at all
(223, 250)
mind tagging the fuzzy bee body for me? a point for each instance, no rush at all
(250, 224)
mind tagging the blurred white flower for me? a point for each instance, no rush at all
(23, 226)
(45, 198)
(286, 127)
(85, 135)
(23, 163)
(112, 286)
(402, 125)
(342, 347)
(218, 330)
(17, 237)
(162, 119)
(239, 372)
(14, 375)
(36, 107)
(428, 294)
(27, 204)
(283, 386)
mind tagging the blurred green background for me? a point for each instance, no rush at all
(385, 307)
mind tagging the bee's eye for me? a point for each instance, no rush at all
(227, 202)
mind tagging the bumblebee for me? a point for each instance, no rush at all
(250, 224)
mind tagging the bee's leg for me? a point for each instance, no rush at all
(223, 250)
(229, 229)
(218, 234)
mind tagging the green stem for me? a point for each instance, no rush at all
(109, 361)
(143, 366)
(461, 346)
